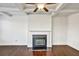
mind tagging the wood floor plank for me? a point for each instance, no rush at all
(56, 50)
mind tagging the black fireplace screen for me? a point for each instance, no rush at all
(39, 41)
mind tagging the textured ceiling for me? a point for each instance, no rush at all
(17, 8)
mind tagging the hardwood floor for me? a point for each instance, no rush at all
(24, 51)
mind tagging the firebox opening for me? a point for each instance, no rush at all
(39, 41)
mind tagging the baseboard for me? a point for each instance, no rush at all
(14, 45)
(58, 45)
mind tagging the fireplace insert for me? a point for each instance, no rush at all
(39, 41)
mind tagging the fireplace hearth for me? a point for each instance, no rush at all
(39, 41)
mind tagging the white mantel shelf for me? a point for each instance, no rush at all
(39, 31)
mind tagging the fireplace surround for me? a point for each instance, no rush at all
(39, 41)
(46, 33)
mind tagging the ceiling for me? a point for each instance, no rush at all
(12, 9)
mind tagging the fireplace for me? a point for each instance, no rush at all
(39, 41)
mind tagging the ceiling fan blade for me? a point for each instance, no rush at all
(29, 3)
(35, 10)
(45, 9)
(50, 3)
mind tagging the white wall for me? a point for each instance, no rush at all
(73, 31)
(39, 22)
(59, 28)
(13, 30)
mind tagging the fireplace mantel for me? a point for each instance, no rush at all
(39, 31)
(48, 33)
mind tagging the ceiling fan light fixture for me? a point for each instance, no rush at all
(40, 6)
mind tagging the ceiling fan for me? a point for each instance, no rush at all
(40, 6)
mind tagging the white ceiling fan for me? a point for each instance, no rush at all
(38, 6)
